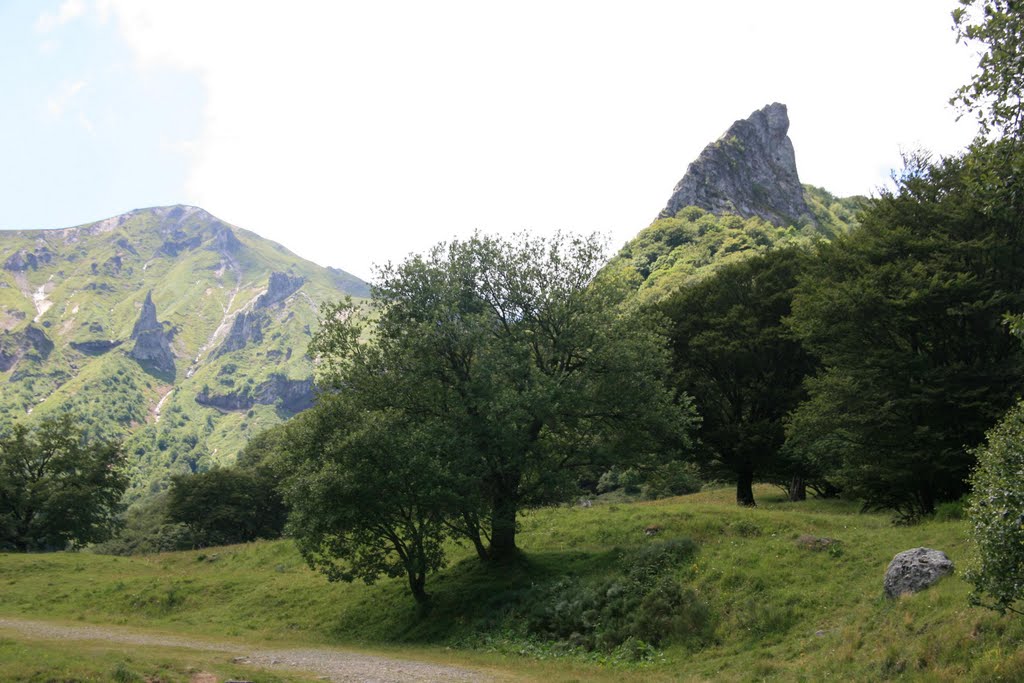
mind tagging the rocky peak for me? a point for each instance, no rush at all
(147, 321)
(152, 346)
(749, 171)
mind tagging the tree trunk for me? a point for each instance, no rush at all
(503, 529)
(797, 489)
(473, 532)
(418, 587)
(745, 487)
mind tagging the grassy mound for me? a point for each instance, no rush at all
(680, 589)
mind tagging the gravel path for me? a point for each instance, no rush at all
(332, 665)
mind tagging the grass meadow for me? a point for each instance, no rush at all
(770, 609)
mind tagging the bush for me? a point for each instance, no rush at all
(675, 478)
(644, 605)
(996, 513)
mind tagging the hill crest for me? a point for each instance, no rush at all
(166, 327)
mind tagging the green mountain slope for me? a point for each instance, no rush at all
(166, 327)
(694, 243)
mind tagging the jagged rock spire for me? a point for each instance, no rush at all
(749, 171)
(152, 346)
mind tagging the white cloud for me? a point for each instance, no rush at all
(68, 11)
(59, 101)
(356, 132)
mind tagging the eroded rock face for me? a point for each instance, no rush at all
(749, 171)
(152, 346)
(247, 327)
(914, 570)
(95, 347)
(30, 342)
(291, 395)
(21, 260)
(280, 287)
(225, 240)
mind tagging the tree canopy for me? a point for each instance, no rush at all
(742, 365)
(906, 317)
(497, 374)
(57, 490)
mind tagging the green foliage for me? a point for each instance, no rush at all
(996, 514)
(673, 478)
(229, 505)
(144, 529)
(369, 493)
(743, 367)
(642, 604)
(906, 317)
(509, 363)
(994, 93)
(56, 489)
(691, 246)
(835, 215)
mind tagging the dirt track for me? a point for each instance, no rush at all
(332, 665)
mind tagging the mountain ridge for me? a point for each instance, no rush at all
(124, 321)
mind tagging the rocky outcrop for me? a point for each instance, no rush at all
(224, 239)
(127, 246)
(180, 243)
(21, 260)
(152, 346)
(914, 570)
(96, 347)
(247, 327)
(280, 287)
(30, 342)
(289, 395)
(749, 171)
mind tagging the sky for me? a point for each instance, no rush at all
(356, 133)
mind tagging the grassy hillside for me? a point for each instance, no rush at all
(759, 606)
(693, 244)
(70, 298)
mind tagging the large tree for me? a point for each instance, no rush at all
(744, 368)
(534, 364)
(57, 491)
(906, 316)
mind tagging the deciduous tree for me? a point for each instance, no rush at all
(535, 367)
(57, 490)
(742, 365)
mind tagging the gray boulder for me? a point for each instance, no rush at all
(914, 570)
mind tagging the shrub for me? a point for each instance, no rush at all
(996, 513)
(643, 605)
(675, 478)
